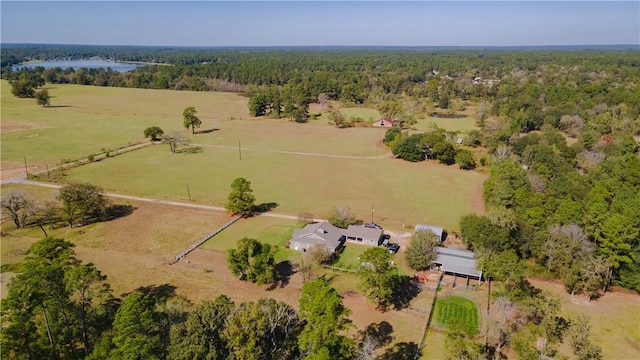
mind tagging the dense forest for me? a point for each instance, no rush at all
(558, 134)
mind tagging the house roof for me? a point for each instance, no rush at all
(319, 233)
(458, 261)
(363, 232)
(435, 229)
(384, 119)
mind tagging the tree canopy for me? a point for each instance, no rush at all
(241, 200)
(253, 261)
(190, 119)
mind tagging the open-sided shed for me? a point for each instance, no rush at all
(457, 262)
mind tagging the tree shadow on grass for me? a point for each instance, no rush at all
(381, 332)
(265, 207)
(190, 150)
(117, 211)
(206, 131)
(404, 291)
(401, 351)
(57, 106)
(157, 293)
(284, 270)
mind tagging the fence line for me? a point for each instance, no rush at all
(426, 326)
(339, 268)
(202, 241)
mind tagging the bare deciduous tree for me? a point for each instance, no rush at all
(367, 350)
(503, 153)
(572, 125)
(589, 159)
(505, 319)
(16, 205)
(174, 139)
(322, 100)
(565, 244)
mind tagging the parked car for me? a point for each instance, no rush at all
(393, 248)
(373, 226)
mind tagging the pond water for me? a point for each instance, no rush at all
(78, 64)
(447, 116)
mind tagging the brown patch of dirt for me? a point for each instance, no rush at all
(13, 127)
(453, 240)
(12, 169)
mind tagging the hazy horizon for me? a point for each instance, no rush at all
(322, 23)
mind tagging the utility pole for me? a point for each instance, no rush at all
(239, 150)
(26, 171)
(48, 177)
(372, 210)
(188, 192)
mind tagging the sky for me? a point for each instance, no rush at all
(321, 23)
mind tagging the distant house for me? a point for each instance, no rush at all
(439, 231)
(359, 234)
(457, 262)
(325, 234)
(384, 122)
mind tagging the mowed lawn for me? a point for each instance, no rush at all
(400, 192)
(269, 230)
(455, 309)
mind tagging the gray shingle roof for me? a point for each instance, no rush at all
(319, 233)
(363, 232)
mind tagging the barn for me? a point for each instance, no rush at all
(384, 122)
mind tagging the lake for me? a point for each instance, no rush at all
(78, 64)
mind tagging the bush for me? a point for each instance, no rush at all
(341, 217)
(465, 159)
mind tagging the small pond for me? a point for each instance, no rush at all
(446, 116)
(78, 64)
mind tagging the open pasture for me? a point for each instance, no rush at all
(82, 120)
(462, 125)
(400, 192)
(284, 135)
(614, 318)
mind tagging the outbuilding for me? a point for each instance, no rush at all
(384, 122)
(438, 230)
(457, 262)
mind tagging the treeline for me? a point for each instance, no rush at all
(574, 209)
(542, 85)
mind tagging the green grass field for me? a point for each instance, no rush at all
(85, 119)
(268, 230)
(401, 191)
(462, 125)
(454, 309)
